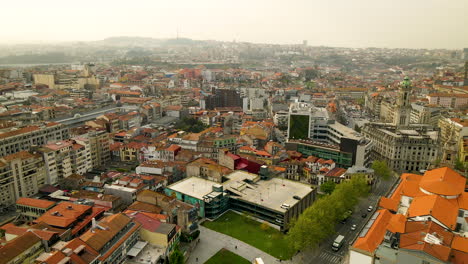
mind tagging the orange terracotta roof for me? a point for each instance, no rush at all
(414, 241)
(460, 243)
(39, 203)
(336, 172)
(443, 181)
(324, 170)
(280, 169)
(410, 185)
(376, 233)
(18, 246)
(262, 153)
(463, 201)
(397, 223)
(247, 148)
(458, 257)
(434, 206)
(416, 234)
(63, 214)
(388, 203)
(173, 148)
(112, 224)
(20, 131)
(95, 213)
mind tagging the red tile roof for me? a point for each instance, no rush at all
(376, 233)
(460, 243)
(419, 233)
(443, 181)
(389, 204)
(173, 148)
(435, 206)
(20, 131)
(39, 203)
(147, 222)
(63, 214)
(17, 246)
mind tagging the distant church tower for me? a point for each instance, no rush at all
(403, 113)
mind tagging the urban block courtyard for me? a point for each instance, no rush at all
(252, 232)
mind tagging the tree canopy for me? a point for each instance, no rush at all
(381, 169)
(318, 221)
(460, 165)
(176, 257)
(190, 125)
(310, 74)
(328, 187)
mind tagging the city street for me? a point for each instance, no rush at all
(212, 241)
(324, 254)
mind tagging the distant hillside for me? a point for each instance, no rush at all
(130, 41)
(144, 42)
(52, 57)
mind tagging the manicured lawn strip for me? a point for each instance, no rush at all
(227, 257)
(245, 229)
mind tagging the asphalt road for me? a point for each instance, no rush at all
(324, 254)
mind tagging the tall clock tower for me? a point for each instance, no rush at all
(403, 113)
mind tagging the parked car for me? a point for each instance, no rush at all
(370, 208)
(364, 215)
(353, 227)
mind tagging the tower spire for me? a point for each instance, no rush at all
(403, 113)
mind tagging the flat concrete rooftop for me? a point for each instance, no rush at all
(248, 187)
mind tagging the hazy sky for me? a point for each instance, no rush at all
(346, 23)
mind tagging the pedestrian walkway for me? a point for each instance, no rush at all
(211, 242)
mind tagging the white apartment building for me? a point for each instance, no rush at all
(98, 142)
(81, 158)
(57, 158)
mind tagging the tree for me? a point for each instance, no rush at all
(328, 187)
(460, 165)
(361, 101)
(176, 257)
(318, 221)
(285, 80)
(190, 125)
(381, 169)
(310, 74)
(310, 85)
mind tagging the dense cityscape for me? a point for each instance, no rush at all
(174, 150)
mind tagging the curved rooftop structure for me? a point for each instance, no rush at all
(443, 181)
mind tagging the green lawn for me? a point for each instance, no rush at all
(226, 257)
(270, 240)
